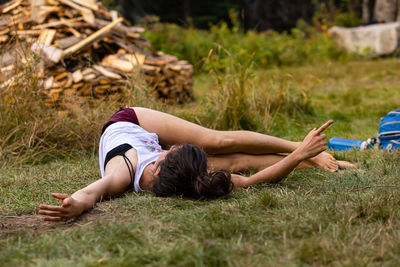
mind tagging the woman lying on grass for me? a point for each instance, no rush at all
(131, 158)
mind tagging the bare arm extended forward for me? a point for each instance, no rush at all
(312, 145)
(83, 199)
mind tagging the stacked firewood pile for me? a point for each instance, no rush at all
(84, 51)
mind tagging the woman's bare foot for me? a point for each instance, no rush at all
(346, 164)
(325, 161)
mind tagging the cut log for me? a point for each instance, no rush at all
(57, 84)
(133, 35)
(27, 32)
(39, 3)
(128, 47)
(122, 29)
(40, 13)
(87, 71)
(70, 13)
(89, 77)
(48, 83)
(74, 32)
(10, 6)
(17, 16)
(51, 2)
(20, 26)
(122, 63)
(19, 19)
(114, 15)
(55, 94)
(61, 76)
(155, 61)
(4, 38)
(137, 59)
(101, 89)
(49, 52)
(87, 4)
(46, 36)
(104, 82)
(67, 42)
(77, 86)
(137, 29)
(69, 23)
(107, 73)
(87, 14)
(5, 20)
(91, 38)
(77, 76)
(150, 69)
(69, 81)
(86, 90)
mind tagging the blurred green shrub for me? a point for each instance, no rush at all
(345, 13)
(301, 45)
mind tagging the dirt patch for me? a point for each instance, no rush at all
(11, 225)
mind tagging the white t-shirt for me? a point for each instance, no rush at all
(146, 145)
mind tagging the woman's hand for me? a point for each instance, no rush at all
(314, 143)
(69, 208)
(85, 198)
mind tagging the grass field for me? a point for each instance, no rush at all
(313, 217)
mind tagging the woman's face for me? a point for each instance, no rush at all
(161, 158)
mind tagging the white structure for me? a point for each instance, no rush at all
(373, 40)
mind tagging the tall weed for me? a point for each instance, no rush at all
(229, 107)
(241, 101)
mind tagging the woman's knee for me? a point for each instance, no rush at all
(217, 143)
(232, 162)
(238, 162)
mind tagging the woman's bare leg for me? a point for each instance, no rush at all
(173, 130)
(237, 162)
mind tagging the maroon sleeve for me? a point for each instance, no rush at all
(123, 114)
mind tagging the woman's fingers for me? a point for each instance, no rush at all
(314, 142)
(51, 207)
(323, 127)
(67, 202)
(52, 213)
(60, 196)
(57, 213)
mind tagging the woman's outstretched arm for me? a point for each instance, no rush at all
(115, 182)
(312, 145)
(83, 199)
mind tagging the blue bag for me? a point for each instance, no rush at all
(389, 131)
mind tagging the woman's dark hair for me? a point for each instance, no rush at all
(184, 172)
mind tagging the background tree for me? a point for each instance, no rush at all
(387, 10)
(276, 14)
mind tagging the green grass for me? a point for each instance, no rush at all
(311, 218)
